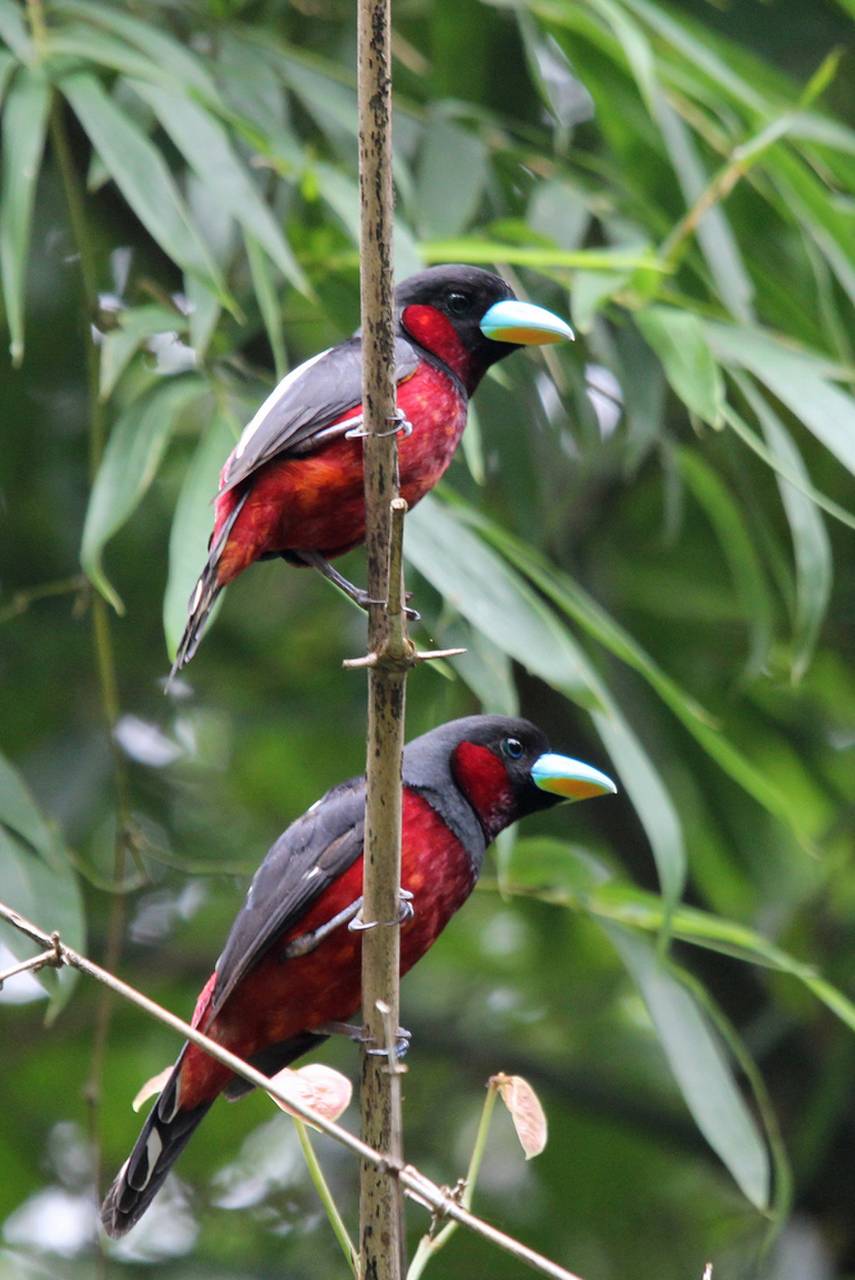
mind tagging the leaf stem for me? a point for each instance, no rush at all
(430, 1245)
(322, 1187)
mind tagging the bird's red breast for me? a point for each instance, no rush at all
(279, 1000)
(315, 502)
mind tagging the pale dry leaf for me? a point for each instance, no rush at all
(526, 1112)
(151, 1087)
(324, 1090)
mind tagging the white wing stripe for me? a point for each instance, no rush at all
(278, 393)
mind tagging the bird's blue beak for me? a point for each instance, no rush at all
(524, 324)
(570, 779)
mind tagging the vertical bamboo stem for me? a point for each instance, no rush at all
(381, 1208)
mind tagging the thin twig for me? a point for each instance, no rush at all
(417, 1186)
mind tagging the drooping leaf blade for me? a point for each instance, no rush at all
(141, 174)
(206, 147)
(25, 115)
(476, 581)
(699, 1066)
(678, 339)
(811, 544)
(131, 458)
(193, 521)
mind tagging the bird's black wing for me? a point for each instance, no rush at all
(303, 862)
(297, 415)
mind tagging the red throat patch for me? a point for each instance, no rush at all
(435, 332)
(484, 781)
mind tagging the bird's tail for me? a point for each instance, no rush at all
(164, 1136)
(204, 595)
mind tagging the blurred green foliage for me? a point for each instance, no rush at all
(645, 545)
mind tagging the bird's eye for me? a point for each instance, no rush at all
(512, 748)
(458, 303)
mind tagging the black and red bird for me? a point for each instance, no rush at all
(293, 484)
(291, 966)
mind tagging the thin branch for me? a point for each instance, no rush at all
(437, 1199)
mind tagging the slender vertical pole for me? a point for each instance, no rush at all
(381, 1207)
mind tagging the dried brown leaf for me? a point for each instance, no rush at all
(526, 1112)
(324, 1090)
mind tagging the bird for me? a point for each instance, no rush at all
(293, 484)
(290, 971)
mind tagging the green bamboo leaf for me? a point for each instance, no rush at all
(811, 544)
(36, 878)
(562, 92)
(489, 252)
(24, 125)
(452, 174)
(698, 1063)
(131, 458)
(476, 582)
(193, 521)
(268, 302)
(559, 212)
(341, 193)
(636, 48)
(162, 49)
(650, 798)
(486, 591)
(141, 174)
(578, 605)
(221, 234)
(46, 891)
(799, 379)
(738, 549)
(14, 32)
(589, 293)
(205, 145)
(679, 340)
(627, 905)
(18, 809)
(796, 481)
(484, 667)
(714, 234)
(697, 51)
(8, 63)
(90, 45)
(119, 345)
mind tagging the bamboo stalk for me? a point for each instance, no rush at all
(381, 1205)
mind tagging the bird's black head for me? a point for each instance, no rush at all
(469, 318)
(502, 768)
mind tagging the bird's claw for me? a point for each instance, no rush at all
(406, 911)
(359, 1035)
(402, 1044)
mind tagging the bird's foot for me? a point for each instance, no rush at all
(359, 1035)
(358, 595)
(406, 911)
(398, 421)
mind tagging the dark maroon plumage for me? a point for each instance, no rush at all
(293, 484)
(268, 1001)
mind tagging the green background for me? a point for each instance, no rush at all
(661, 578)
